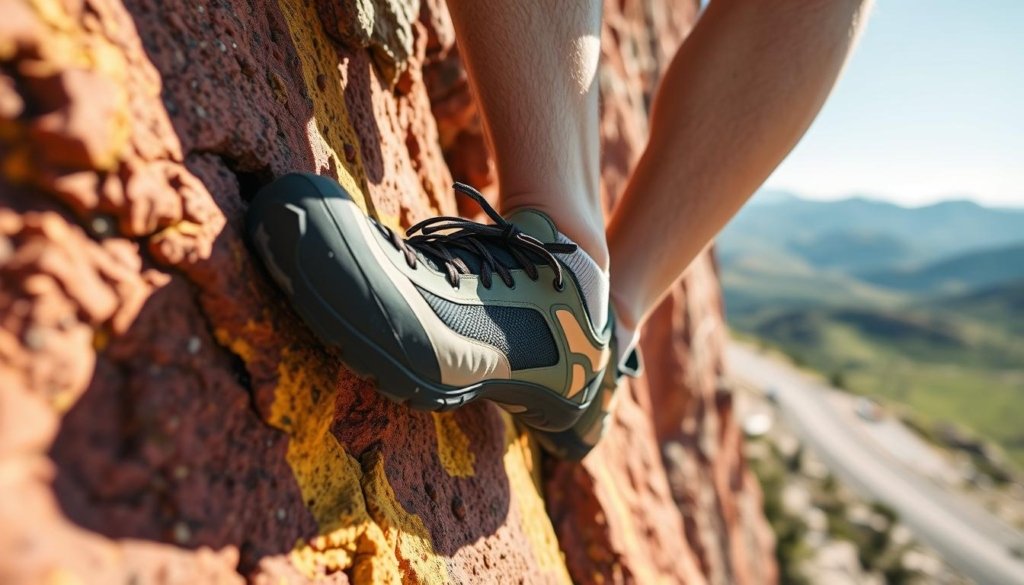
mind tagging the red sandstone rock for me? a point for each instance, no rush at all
(165, 418)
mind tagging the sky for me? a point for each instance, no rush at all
(930, 107)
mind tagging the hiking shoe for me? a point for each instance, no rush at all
(455, 311)
(576, 442)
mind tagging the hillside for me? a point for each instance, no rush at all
(849, 250)
(1000, 306)
(959, 273)
(934, 338)
(943, 368)
(754, 283)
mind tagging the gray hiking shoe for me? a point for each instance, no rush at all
(455, 311)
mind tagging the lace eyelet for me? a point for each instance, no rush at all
(559, 286)
(511, 286)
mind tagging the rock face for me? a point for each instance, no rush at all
(164, 417)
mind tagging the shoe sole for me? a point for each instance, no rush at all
(565, 445)
(543, 409)
(568, 444)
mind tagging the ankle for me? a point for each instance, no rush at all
(628, 317)
(590, 241)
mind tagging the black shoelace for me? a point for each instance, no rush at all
(437, 237)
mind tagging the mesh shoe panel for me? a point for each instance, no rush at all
(520, 333)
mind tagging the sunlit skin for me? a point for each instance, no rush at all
(533, 69)
(737, 97)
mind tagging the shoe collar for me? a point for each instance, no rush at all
(534, 223)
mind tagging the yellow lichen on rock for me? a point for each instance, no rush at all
(237, 345)
(405, 532)
(329, 480)
(330, 128)
(534, 521)
(453, 446)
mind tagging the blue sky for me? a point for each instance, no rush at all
(931, 107)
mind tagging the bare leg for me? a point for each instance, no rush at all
(533, 68)
(737, 97)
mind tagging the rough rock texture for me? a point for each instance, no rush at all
(164, 418)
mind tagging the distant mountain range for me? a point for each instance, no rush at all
(782, 251)
(864, 234)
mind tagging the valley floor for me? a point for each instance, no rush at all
(888, 463)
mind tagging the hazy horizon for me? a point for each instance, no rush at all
(1016, 206)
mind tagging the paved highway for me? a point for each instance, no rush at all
(966, 535)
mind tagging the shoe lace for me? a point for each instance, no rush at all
(439, 237)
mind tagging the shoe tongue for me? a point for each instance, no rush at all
(530, 221)
(534, 223)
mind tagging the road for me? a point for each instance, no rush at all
(968, 537)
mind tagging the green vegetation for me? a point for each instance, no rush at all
(970, 271)
(1000, 306)
(871, 534)
(945, 369)
(791, 550)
